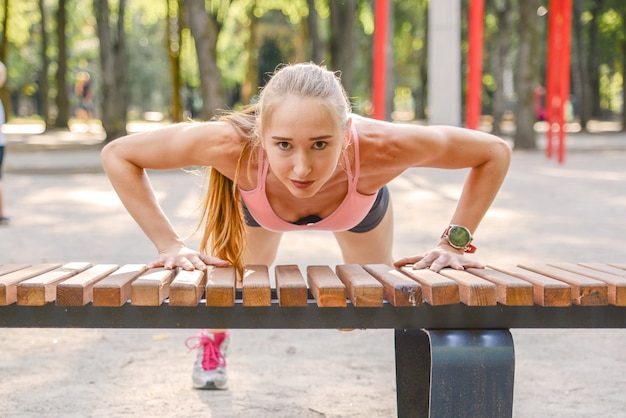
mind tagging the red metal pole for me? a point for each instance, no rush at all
(475, 63)
(379, 76)
(566, 32)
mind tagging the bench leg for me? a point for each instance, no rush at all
(454, 373)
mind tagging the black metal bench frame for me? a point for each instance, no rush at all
(451, 360)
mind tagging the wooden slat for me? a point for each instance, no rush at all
(607, 268)
(41, 289)
(187, 288)
(152, 287)
(361, 287)
(10, 268)
(618, 265)
(509, 289)
(326, 287)
(585, 291)
(256, 286)
(9, 281)
(290, 286)
(78, 290)
(546, 290)
(436, 289)
(114, 290)
(398, 289)
(220, 286)
(616, 284)
(473, 290)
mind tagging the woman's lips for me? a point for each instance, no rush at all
(301, 184)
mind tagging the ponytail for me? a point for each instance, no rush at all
(224, 233)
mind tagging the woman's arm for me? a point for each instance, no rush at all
(184, 145)
(486, 156)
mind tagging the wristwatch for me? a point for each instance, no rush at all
(459, 237)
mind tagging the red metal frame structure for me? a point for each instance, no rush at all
(379, 76)
(558, 73)
(475, 63)
(557, 70)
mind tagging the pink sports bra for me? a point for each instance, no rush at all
(350, 213)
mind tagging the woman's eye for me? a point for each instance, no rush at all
(319, 145)
(283, 145)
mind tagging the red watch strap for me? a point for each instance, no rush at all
(470, 249)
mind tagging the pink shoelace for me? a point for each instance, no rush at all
(212, 357)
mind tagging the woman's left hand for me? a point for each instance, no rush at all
(438, 259)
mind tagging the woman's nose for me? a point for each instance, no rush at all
(301, 165)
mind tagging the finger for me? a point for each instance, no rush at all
(407, 260)
(475, 264)
(213, 261)
(187, 265)
(425, 261)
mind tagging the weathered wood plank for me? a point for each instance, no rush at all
(473, 290)
(9, 281)
(361, 287)
(398, 289)
(326, 287)
(290, 286)
(78, 290)
(616, 284)
(510, 290)
(546, 290)
(220, 286)
(115, 289)
(187, 288)
(152, 287)
(41, 289)
(585, 291)
(256, 286)
(436, 289)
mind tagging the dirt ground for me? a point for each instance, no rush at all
(545, 212)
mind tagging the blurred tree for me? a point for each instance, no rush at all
(342, 40)
(4, 47)
(62, 98)
(527, 74)
(45, 65)
(174, 27)
(114, 62)
(205, 28)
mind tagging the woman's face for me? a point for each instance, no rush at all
(303, 144)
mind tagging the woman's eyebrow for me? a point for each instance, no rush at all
(315, 138)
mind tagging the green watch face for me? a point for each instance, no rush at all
(459, 236)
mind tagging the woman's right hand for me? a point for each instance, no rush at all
(187, 259)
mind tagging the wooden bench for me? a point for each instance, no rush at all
(454, 351)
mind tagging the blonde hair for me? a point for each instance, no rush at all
(222, 214)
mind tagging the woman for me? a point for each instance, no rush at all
(296, 160)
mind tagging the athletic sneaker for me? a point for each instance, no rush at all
(209, 370)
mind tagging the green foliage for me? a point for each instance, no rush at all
(281, 22)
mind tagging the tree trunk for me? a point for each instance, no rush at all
(5, 96)
(45, 64)
(527, 72)
(62, 99)
(580, 75)
(204, 29)
(343, 42)
(251, 82)
(173, 44)
(114, 62)
(317, 44)
(421, 96)
(499, 60)
(594, 58)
